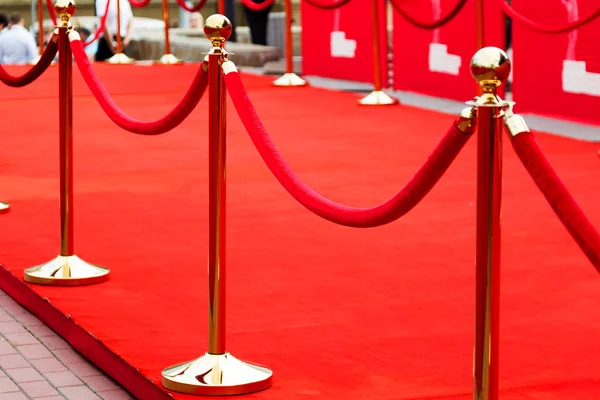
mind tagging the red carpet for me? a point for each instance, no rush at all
(337, 313)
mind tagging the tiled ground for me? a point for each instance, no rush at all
(35, 363)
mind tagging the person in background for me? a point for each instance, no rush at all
(107, 45)
(3, 23)
(257, 21)
(196, 21)
(17, 46)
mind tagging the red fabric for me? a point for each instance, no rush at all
(337, 313)
(35, 71)
(544, 27)
(139, 4)
(416, 52)
(571, 62)
(558, 196)
(170, 121)
(197, 7)
(51, 11)
(405, 200)
(326, 5)
(321, 54)
(257, 6)
(100, 29)
(429, 25)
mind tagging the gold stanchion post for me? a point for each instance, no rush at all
(167, 58)
(490, 67)
(377, 97)
(67, 268)
(289, 78)
(216, 372)
(119, 57)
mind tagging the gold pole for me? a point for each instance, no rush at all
(216, 372)
(377, 97)
(67, 268)
(119, 57)
(167, 58)
(490, 67)
(289, 78)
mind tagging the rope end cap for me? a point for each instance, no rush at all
(466, 122)
(228, 67)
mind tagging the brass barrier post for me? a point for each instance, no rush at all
(67, 268)
(490, 67)
(377, 97)
(119, 57)
(167, 58)
(216, 372)
(289, 78)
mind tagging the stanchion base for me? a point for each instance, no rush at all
(4, 207)
(217, 375)
(66, 271)
(378, 98)
(169, 59)
(120, 58)
(290, 79)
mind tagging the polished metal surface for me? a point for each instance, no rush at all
(66, 271)
(466, 122)
(4, 207)
(378, 98)
(217, 372)
(120, 58)
(65, 9)
(289, 79)
(220, 374)
(170, 59)
(514, 123)
(490, 67)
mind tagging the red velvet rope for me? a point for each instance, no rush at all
(561, 201)
(257, 6)
(101, 27)
(545, 28)
(51, 11)
(36, 71)
(327, 5)
(433, 24)
(387, 212)
(165, 124)
(139, 4)
(197, 7)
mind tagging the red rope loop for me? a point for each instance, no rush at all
(387, 212)
(327, 5)
(512, 13)
(175, 117)
(51, 11)
(100, 28)
(197, 7)
(36, 71)
(433, 24)
(258, 6)
(139, 4)
(561, 201)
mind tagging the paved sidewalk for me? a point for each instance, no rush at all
(35, 363)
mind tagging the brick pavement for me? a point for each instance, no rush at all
(36, 363)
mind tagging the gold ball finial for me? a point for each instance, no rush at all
(65, 9)
(217, 28)
(490, 66)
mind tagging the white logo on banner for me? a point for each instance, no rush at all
(439, 58)
(339, 45)
(575, 77)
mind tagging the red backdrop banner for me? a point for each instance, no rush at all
(436, 62)
(338, 43)
(557, 74)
